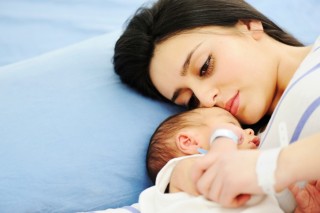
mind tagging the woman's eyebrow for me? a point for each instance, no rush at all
(188, 59)
(184, 70)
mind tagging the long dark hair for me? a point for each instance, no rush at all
(165, 18)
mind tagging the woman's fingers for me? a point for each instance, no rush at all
(223, 176)
(209, 184)
(201, 166)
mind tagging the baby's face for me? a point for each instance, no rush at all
(215, 118)
(249, 140)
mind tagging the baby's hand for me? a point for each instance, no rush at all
(307, 198)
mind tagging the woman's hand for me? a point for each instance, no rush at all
(308, 197)
(227, 175)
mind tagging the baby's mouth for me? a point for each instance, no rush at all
(256, 141)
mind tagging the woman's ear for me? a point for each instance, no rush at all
(255, 27)
(187, 144)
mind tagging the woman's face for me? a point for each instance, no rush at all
(214, 66)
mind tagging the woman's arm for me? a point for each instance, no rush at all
(222, 176)
(299, 161)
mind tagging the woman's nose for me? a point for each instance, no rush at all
(207, 98)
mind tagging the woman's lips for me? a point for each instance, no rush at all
(233, 104)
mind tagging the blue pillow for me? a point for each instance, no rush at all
(72, 136)
(298, 17)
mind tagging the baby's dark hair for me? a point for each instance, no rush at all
(162, 146)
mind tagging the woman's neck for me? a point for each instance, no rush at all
(290, 59)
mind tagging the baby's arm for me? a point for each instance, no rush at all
(180, 180)
(308, 197)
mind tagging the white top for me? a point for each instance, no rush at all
(297, 113)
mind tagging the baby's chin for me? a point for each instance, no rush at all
(253, 146)
(249, 145)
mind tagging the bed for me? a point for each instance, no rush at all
(72, 136)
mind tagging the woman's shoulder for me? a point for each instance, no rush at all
(316, 45)
(317, 42)
(298, 110)
(311, 61)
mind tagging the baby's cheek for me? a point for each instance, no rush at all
(245, 146)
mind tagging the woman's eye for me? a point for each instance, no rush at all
(193, 102)
(207, 67)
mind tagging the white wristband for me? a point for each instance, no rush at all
(265, 168)
(224, 133)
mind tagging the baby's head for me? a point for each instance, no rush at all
(184, 133)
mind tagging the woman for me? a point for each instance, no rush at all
(205, 53)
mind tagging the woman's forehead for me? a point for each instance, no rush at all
(177, 47)
(169, 60)
(167, 64)
(179, 42)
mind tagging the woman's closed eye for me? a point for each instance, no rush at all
(207, 67)
(205, 70)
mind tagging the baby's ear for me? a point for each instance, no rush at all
(186, 143)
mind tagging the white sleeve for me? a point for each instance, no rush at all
(286, 200)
